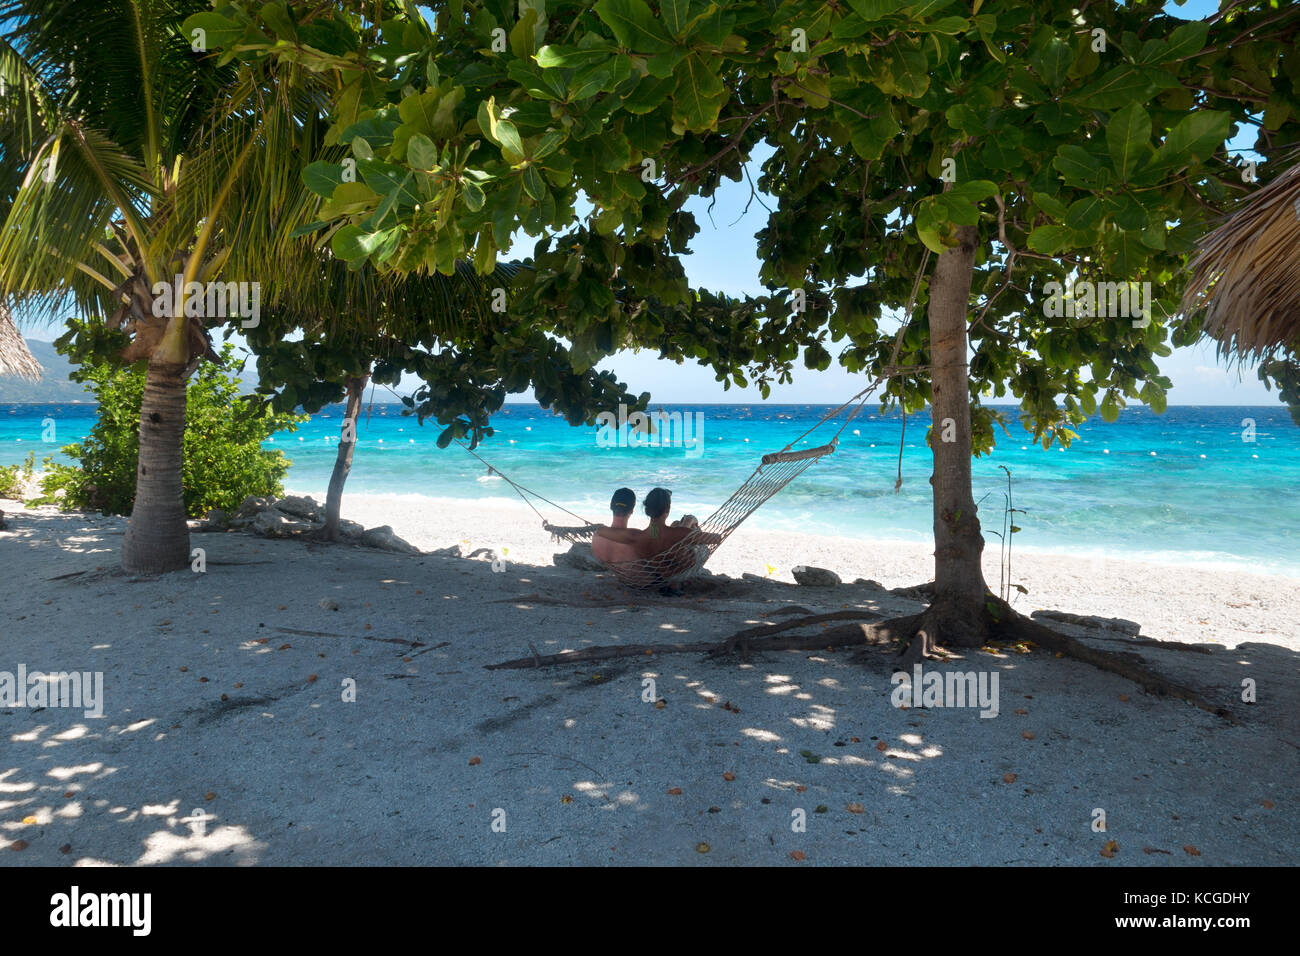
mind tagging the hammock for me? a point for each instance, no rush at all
(685, 558)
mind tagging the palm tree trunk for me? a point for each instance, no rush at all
(157, 537)
(957, 615)
(343, 463)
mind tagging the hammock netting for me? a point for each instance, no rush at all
(685, 558)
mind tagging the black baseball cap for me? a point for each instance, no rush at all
(623, 502)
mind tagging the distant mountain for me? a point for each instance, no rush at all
(54, 387)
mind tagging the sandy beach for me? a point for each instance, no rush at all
(301, 703)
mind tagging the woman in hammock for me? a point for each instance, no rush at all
(659, 560)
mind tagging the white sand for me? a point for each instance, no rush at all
(573, 760)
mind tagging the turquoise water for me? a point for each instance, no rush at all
(1182, 487)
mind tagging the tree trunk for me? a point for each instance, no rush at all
(157, 538)
(343, 463)
(958, 615)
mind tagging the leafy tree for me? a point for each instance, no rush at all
(223, 460)
(964, 160)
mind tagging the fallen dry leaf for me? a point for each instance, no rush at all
(66, 848)
(225, 697)
(1021, 711)
(882, 746)
(1110, 849)
(239, 685)
(475, 761)
(68, 795)
(675, 792)
(1008, 778)
(184, 669)
(800, 788)
(855, 740)
(660, 704)
(285, 647)
(1027, 734)
(566, 799)
(368, 627)
(855, 808)
(797, 855)
(209, 796)
(1123, 697)
(1266, 804)
(18, 846)
(702, 848)
(203, 680)
(311, 678)
(29, 820)
(728, 776)
(406, 660)
(1191, 850)
(280, 608)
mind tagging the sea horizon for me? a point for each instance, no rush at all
(1206, 485)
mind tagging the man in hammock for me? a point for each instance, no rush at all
(657, 539)
(620, 508)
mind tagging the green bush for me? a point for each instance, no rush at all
(223, 456)
(14, 477)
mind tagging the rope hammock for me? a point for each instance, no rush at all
(686, 557)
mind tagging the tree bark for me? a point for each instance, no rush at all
(958, 615)
(157, 537)
(343, 463)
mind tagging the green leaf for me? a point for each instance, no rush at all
(219, 33)
(321, 177)
(533, 184)
(1109, 408)
(1049, 240)
(421, 153)
(675, 14)
(500, 131)
(1086, 213)
(634, 25)
(1077, 166)
(1052, 61)
(353, 245)
(1196, 137)
(1116, 88)
(571, 57)
(361, 149)
(1187, 40)
(474, 197)
(1128, 138)
(699, 95)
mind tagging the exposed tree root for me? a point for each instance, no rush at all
(1008, 625)
(904, 633)
(604, 652)
(765, 637)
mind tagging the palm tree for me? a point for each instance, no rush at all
(130, 158)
